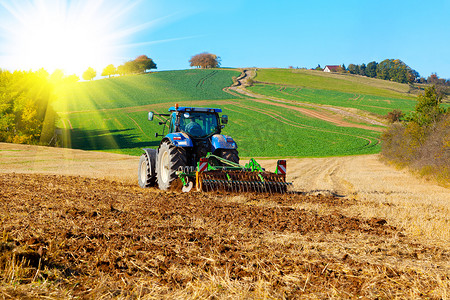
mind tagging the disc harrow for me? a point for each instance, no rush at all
(214, 173)
(241, 181)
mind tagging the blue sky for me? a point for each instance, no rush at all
(250, 33)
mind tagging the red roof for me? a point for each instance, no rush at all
(332, 68)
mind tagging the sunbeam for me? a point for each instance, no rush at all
(68, 35)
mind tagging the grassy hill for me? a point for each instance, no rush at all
(111, 114)
(345, 83)
(137, 90)
(257, 129)
(375, 104)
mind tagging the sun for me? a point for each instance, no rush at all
(58, 43)
(67, 35)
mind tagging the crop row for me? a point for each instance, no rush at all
(374, 104)
(138, 90)
(260, 130)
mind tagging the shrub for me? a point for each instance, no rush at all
(423, 141)
(394, 116)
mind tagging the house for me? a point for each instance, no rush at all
(332, 68)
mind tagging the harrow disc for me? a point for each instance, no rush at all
(242, 181)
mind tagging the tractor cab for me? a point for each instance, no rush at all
(196, 122)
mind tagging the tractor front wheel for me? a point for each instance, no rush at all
(168, 161)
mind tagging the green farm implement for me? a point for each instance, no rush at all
(215, 173)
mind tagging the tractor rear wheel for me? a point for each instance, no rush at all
(168, 161)
(229, 154)
(146, 171)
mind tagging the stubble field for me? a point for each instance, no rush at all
(101, 236)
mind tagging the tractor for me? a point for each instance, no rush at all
(196, 153)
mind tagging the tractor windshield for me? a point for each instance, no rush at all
(199, 124)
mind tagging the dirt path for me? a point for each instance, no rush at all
(335, 115)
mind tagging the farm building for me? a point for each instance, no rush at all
(331, 68)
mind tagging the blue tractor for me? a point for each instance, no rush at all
(196, 152)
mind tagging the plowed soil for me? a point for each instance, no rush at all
(351, 233)
(91, 238)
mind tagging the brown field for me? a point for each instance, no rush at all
(76, 225)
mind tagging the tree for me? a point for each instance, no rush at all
(131, 67)
(434, 79)
(428, 109)
(413, 75)
(396, 70)
(383, 69)
(318, 68)
(26, 113)
(352, 68)
(205, 60)
(71, 79)
(144, 63)
(140, 64)
(89, 74)
(57, 76)
(109, 70)
(362, 70)
(121, 70)
(371, 69)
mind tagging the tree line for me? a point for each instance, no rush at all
(143, 63)
(389, 69)
(396, 70)
(26, 114)
(139, 65)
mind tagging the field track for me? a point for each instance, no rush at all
(282, 119)
(333, 115)
(360, 229)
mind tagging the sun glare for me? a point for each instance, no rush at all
(61, 34)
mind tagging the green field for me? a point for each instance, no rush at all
(335, 82)
(297, 135)
(111, 114)
(137, 90)
(374, 104)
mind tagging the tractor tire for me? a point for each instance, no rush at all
(229, 154)
(146, 171)
(169, 159)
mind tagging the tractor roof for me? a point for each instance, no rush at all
(196, 109)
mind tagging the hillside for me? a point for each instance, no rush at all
(137, 90)
(111, 114)
(345, 83)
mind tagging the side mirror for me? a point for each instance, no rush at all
(224, 119)
(150, 116)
